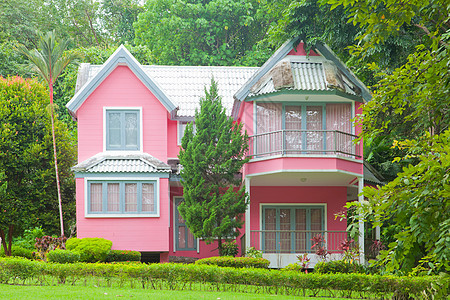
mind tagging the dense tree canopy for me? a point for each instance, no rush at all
(410, 107)
(26, 159)
(193, 32)
(211, 157)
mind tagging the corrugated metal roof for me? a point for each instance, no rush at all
(308, 76)
(122, 165)
(185, 85)
(125, 163)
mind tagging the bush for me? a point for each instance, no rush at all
(339, 266)
(123, 255)
(63, 256)
(253, 252)
(29, 238)
(235, 262)
(294, 267)
(230, 249)
(90, 249)
(19, 252)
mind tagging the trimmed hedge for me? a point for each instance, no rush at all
(63, 256)
(90, 249)
(179, 276)
(234, 262)
(339, 266)
(123, 255)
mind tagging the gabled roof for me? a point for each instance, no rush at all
(122, 163)
(285, 72)
(120, 57)
(185, 85)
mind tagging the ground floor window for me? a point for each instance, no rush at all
(184, 239)
(122, 197)
(289, 229)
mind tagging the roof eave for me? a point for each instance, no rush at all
(120, 57)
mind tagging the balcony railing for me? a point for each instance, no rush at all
(296, 241)
(297, 142)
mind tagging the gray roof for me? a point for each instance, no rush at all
(315, 75)
(125, 163)
(371, 176)
(185, 85)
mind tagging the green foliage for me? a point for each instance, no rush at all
(253, 252)
(179, 276)
(294, 267)
(90, 249)
(28, 239)
(230, 248)
(418, 201)
(18, 251)
(213, 202)
(123, 256)
(339, 266)
(213, 32)
(234, 262)
(26, 157)
(63, 256)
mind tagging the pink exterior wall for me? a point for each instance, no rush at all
(140, 234)
(303, 163)
(334, 197)
(122, 89)
(172, 139)
(358, 127)
(301, 51)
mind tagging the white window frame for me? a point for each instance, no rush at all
(154, 180)
(140, 129)
(179, 135)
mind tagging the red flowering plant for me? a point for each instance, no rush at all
(46, 244)
(319, 246)
(350, 250)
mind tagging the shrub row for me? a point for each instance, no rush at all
(339, 266)
(178, 275)
(123, 255)
(18, 251)
(235, 262)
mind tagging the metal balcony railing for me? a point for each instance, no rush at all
(298, 142)
(296, 241)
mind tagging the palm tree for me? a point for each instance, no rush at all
(49, 60)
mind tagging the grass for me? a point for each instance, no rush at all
(89, 292)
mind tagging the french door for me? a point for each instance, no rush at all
(184, 239)
(289, 229)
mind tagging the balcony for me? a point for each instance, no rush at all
(296, 241)
(303, 142)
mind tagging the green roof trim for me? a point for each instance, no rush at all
(306, 92)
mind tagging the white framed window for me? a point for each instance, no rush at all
(181, 129)
(122, 198)
(122, 129)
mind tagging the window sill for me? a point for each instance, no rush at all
(90, 216)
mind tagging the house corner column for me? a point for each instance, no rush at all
(361, 223)
(247, 215)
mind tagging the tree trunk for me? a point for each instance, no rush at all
(219, 246)
(55, 159)
(7, 247)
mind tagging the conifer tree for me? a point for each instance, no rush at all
(211, 156)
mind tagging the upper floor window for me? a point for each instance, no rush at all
(123, 129)
(181, 129)
(303, 128)
(122, 198)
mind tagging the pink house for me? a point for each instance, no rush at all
(304, 164)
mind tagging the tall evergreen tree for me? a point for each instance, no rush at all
(212, 155)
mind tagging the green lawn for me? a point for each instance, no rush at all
(81, 292)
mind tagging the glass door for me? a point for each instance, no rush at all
(184, 239)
